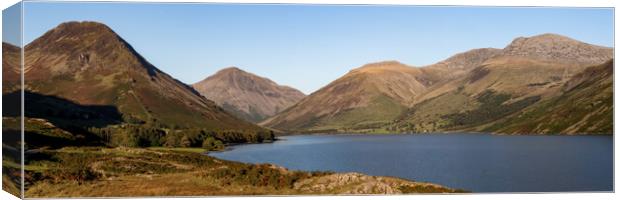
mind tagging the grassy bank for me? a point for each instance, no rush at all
(114, 172)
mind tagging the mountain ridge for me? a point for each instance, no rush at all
(478, 73)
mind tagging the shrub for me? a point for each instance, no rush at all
(211, 144)
(75, 167)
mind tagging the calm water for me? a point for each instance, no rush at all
(475, 162)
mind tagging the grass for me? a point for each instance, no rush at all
(586, 108)
(9, 186)
(102, 172)
(427, 115)
(371, 118)
(491, 107)
(182, 149)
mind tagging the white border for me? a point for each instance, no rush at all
(561, 3)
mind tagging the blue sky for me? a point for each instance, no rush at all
(308, 46)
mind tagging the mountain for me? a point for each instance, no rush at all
(88, 64)
(373, 94)
(526, 72)
(246, 95)
(463, 92)
(370, 94)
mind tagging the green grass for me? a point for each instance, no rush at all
(380, 111)
(182, 149)
(427, 115)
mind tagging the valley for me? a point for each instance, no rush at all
(98, 116)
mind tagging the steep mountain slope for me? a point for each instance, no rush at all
(89, 64)
(455, 66)
(526, 71)
(585, 106)
(11, 59)
(370, 94)
(246, 95)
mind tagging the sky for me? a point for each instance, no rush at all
(308, 46)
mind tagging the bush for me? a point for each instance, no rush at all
(263, 175)
(211, 144)
(75, 167)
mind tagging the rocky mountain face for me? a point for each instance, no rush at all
(558, 48)
(467, 91)
(246, 95)
(88, 64)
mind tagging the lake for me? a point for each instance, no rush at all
(474, 162)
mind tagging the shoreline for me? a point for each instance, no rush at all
(441, 133)
(206, 175)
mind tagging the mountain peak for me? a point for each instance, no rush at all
(74, 26)
(381, 66)
(549, 36)
(546, 38)
(72, 34)
(556, 47)
(231, 69)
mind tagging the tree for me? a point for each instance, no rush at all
(185, 141)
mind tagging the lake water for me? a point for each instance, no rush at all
(474, 162)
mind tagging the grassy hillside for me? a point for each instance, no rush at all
(373, 93)
(100, 172)
(585, 107)
(464, 92)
